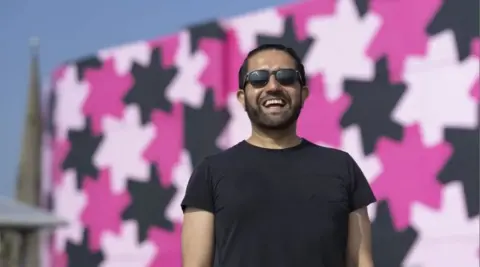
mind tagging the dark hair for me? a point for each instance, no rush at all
(244, 68)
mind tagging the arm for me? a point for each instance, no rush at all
(198, 218)
(197, 238)
(359, 248)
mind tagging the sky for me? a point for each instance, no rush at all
(69, 30)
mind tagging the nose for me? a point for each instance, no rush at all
(272, 84)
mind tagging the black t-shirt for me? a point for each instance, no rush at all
(279, 207)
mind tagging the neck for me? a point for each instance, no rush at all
(274, 139)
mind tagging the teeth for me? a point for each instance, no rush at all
(274, 102)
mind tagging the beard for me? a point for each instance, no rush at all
(263, 120)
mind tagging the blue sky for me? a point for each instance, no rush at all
(68, 30)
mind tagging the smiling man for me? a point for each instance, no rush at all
(276, 199)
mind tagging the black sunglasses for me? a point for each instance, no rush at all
(260, 78)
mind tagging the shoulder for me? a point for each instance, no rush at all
(223, 160)
(225, 155)
(329, 154)
(328, 160)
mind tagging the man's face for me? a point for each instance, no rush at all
(273, 96)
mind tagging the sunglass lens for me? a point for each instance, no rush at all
(258, 78)
(286, 77)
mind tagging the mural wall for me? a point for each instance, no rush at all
(394, 83)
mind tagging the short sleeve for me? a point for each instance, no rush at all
(360, 194)
(199, 189)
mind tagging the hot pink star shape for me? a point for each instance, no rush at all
(221, 72)
(103, 211)
(165, 149)
(320, 118)
(60, 149)
(400, 37)
(211, 77)
(58, 258)
(475, 47)
(105, 84)
(475, 92)
(303, 12)
(168, 246)
(410, 173)
(168, 45)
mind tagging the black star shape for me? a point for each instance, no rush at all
(372, 103)
(362, 6)
(462, 17)
(211, 29)
(384, 232)
(149, 200)
(81, 255)
(83, 145)
(85, 63)
(211, 121)
(148, 92)
(51, 105)
(463, 165)
(288, 39)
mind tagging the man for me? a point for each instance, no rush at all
(275, 199)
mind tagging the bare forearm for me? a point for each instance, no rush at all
(194, 256)
(356, 263)
(197, 259)
(197, 264)
(359, 250)
(197, 239)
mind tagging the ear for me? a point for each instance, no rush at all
(305, 93)
(241, 97)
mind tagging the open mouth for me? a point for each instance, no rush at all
(274, 104)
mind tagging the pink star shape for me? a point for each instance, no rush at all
(475, 47)
(211, 78)
(168, 46)
(107, 89)
(165, 149)
(58, 258)
(168, 246)
(104, 208)
(320, 118)
(400, 37)
(410, 174)
(60, 149)
(304, 11)
(221, 73)
(475, 92)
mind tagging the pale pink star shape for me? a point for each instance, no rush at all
(104, 208)
(168, 246)
(60, 149)
(409, 174)
(165, 149)
(302, 12)
(107, 89)
(400, 37)
(320, 118)
(58, 74)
